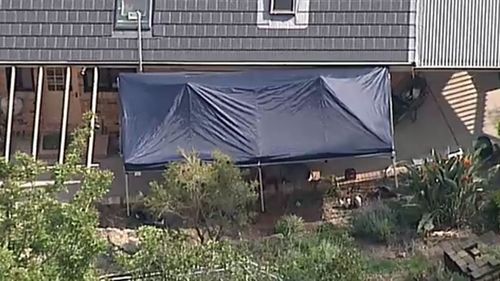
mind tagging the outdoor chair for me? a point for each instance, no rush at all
(408, 98)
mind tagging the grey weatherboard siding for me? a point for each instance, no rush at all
(206, 31)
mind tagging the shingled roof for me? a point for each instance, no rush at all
(207, 31)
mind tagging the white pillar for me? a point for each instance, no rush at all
(38, 107)
(139, 38)
(393, 145)
(64, 125)
(93, 109)
(10, 113)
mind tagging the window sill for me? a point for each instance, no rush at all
(131, 34)
(282, 13)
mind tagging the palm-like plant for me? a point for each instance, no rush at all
(448, 189)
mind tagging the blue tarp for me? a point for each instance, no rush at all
(266, 116)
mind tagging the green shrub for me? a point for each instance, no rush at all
(435, 273)
(315, 258)
(289, 225)
(331, 231)
(411, 266)
(176, 258)
(375, 222)
(328, 254)
(447, 190)
(211, 197)
(484, 147)
(407, 215)
(495, 204)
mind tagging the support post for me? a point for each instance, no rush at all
(393, 146)
(127, 199)
(64, 125)
(261, 188)
(10, 113)
(93, 108)
(139, 38)
(396, 182)
(38, 112)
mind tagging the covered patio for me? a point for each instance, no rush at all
(258, 118)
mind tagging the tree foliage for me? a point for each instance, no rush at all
(42, 238)
(213, 198)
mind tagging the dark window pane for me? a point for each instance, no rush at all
(284, 5)
(24, 79)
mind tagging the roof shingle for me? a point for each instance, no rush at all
(206, 31)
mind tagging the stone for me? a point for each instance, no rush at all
(125, 239)
(446, 246)
(493, 262)
(481, 262)
(462, 254)
(401, 255)
(469, 244)
(475, 252)
(468, 258)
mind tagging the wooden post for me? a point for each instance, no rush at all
(261, 187)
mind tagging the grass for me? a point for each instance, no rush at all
(386, 267)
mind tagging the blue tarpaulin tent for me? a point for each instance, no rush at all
(256, 117)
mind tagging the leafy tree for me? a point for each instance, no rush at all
(213, 198)
(42, 238)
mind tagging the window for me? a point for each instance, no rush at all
(126, 14)
(24, 79)
(108, 79)
(286, 7)
(55, 79)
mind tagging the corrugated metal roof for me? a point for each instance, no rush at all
(458, 34)
(192, 31)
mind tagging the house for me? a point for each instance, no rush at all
(458, 51)
(55, 48)
(458, 34)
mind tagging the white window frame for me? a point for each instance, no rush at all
(55, 79)
(127, 20)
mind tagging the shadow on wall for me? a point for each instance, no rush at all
(461, 107)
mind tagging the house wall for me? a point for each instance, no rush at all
(458, 34)
(211, 31)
